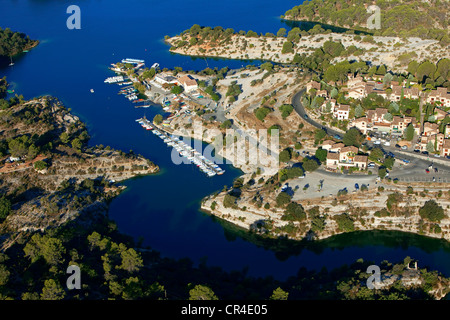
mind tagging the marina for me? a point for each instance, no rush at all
(204, 164)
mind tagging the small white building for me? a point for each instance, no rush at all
(163, 78)
(188, 83)
(341, 112)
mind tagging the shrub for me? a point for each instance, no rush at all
(283, 199)
(432, 211)
(294, 212)
(345, 222)
(262, 112)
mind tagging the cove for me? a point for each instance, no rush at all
(163, 209)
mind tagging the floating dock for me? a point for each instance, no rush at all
(204, 164)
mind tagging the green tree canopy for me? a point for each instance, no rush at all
(177, 89)
(310, 164)
(131, 260)
(432, 211)
(5, 207)
(321, 154)
(283, 199)
(353, 137)
(52, 291)
(281, 32)
(157, 119)
(279, 294)
(201, 292)
(409, 132)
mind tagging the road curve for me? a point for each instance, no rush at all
(298, 107)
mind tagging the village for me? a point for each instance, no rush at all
(429, 136)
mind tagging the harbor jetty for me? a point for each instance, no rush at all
(204, 164)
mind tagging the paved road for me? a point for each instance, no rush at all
(298, 107)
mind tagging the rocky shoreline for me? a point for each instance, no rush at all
(362, 208)
(77, 184)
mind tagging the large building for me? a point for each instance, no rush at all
(340, 156)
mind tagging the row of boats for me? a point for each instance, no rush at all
(185, 150)
(130, 93)
(115, 79)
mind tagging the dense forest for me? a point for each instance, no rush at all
(405, 18)
(112, 267)
(12, 43)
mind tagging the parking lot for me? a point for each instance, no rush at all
(322, 183)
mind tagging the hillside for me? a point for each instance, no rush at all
(48, 173)
(405, 18)
(12, 43)
(324, 47)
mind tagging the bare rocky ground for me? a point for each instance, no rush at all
(361, 207)
(279, 86)
(77, 183)
(384, 50)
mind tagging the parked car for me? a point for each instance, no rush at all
(417, 150)
(371, 165)
(397, 146)
(387, 143)
(437, 156)
(404, 147)
(356, 186)
(424, 152)
(434, 179)
(435, 169)
(427, 170)
(377, 142)
(305, 116)
(337, 137)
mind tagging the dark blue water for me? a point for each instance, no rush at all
(163, 209)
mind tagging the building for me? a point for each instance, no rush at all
(376, 115)
(337, 147)
(396, 94)
(445, 152)
(341, 112)
(347, 154)
(347, 158)
(332, 160)
(430, 129)
(440, 95)
(411, 93)
(327, 144)
(362, 124)
(322, 93)
(188, 83)
(399, 124)
(163, 78)
(312, 85)
(440, 114)
(437, 140)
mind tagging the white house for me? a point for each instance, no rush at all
(188, 83)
